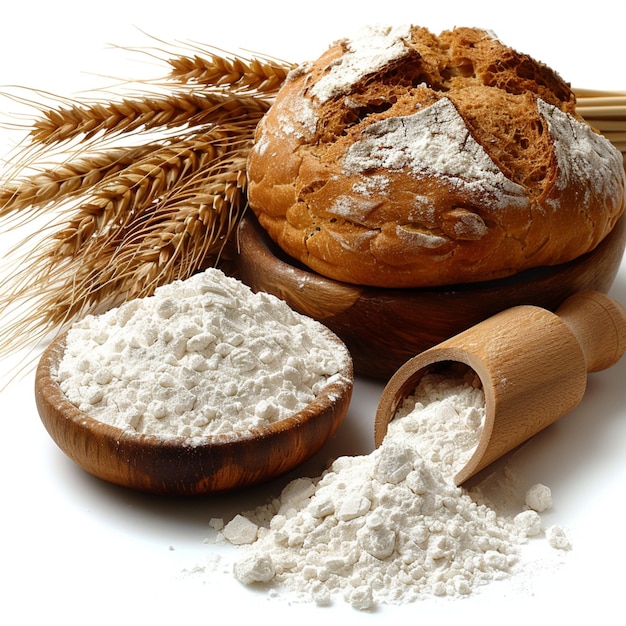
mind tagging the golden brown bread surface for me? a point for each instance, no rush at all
(404, 159)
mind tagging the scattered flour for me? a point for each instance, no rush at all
(204, 356)
(388, 527)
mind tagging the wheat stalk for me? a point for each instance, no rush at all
(125, 219)
(239, 74)
(173, 110)
(210, 67)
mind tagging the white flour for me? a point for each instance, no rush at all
(204, 356)
(372, 49)
(446, 415)
(582, 154)
(539, 498)
(388, 527)
(433, 140)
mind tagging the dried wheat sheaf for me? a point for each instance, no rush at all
(134, 192)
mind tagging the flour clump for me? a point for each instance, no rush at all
(539, 497)
(558, 538)
(201, 357)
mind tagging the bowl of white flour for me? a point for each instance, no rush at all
(203, 387)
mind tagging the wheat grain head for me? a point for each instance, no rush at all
(148, 189)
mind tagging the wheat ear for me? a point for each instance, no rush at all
(171, 111)
(67, 180)
(170, 215)
(238, 74)
(136, 191)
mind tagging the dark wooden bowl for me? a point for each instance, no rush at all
(383, 328)
(180, 466)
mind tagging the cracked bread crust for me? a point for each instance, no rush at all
(403, 159)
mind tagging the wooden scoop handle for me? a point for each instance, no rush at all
(599, 324)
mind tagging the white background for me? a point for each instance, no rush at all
(84, 552)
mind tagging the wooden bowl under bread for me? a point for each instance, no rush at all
(177, 465)
(383, 328)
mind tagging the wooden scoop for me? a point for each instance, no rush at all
(532, 364)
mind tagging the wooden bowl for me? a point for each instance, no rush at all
(180, 466)
(383, 328)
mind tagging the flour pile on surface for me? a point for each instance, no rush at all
(388, 527)
(204, 356)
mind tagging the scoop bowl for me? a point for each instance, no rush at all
(532, 365)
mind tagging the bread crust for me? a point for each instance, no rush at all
(405, 159)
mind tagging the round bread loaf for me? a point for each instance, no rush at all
(404, 159)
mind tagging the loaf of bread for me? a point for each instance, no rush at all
(404, 159)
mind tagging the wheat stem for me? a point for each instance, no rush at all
(175, 110)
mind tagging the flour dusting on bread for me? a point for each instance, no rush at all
(432, 141)
(581, 153)
(372, 49)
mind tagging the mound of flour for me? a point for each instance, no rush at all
(446, 414)
(203, 356)
(390, 526)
